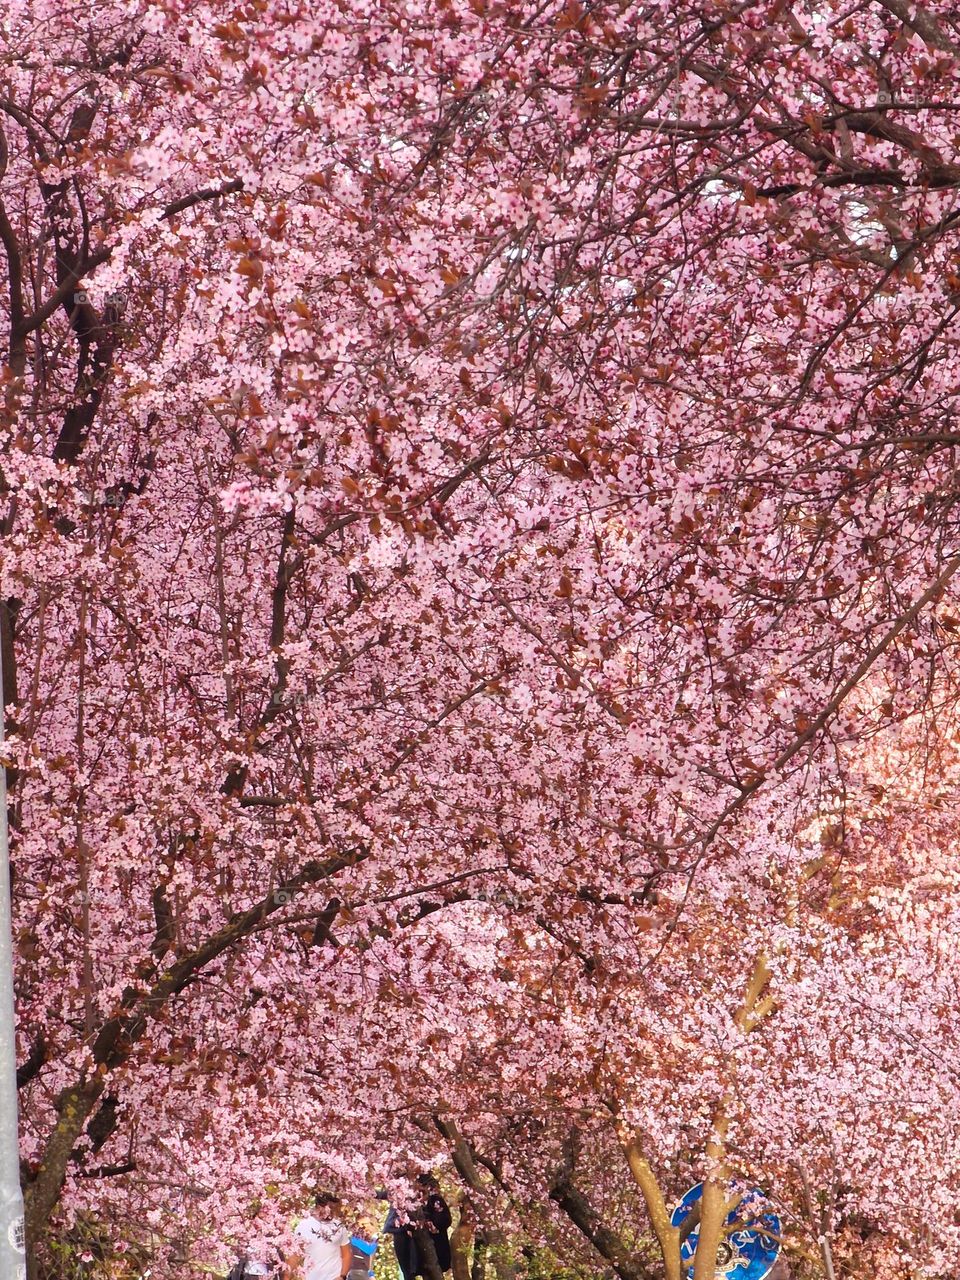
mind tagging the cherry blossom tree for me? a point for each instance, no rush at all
(479, 495)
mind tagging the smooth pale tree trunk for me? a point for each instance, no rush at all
(713, 1212)
(668, 1237)
(714, 1206)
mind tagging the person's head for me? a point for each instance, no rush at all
(325, 1204)
(427, 1183)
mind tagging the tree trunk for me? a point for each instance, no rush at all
(668, 1236)
(427, 1254)
(460, 1241)
(119, 1036)
(714, 1206)
(712, 1217)
(504, 1262)
(42, 1193)
(585, 1218)
(478, 1267)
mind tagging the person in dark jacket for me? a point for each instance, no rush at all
(404, 1245)
(435, 1213)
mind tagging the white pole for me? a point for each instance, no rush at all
(13, 1258)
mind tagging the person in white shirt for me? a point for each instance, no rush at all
(325, 1241)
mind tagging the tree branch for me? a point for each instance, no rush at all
(198, 197)
(120, 1034)
(567, 1197)
(922, 21)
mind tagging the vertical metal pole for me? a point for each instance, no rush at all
(13, 1256)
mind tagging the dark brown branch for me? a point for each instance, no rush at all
(165, 934)
(460, 1152)
(445, 714)
(68, 286)
(18, 350)
(922, 21)
(98, 344)
(119, 1035)
(62, 295)
(104, 1123)
(237, 777)
(37, 1059)
(109, 1170)
(198, 197)
(575, 1205)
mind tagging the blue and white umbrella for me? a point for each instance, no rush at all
(746, 1253)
